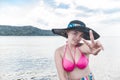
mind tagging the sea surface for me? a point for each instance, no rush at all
(32, 58)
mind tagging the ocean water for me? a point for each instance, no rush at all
(32, 58)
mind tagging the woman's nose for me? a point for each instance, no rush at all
(78, 37)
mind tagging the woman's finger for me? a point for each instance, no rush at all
(100, 45)
(87, 43)
(91, 37)
(97, 51)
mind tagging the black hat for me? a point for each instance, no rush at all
(79, 26)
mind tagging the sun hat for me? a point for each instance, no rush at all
(79, 26)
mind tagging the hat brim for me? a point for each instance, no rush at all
(63, 32)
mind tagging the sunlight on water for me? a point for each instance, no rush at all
(32, 58)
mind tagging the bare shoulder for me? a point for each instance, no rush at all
(59, 51)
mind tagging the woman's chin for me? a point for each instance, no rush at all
(75, 43)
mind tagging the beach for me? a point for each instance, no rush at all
(32, 58)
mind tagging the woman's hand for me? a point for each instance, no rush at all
(94, 46)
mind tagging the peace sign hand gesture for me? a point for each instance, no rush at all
(94, 46)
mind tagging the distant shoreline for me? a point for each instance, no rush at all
(6, 30)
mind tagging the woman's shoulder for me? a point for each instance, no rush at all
(60, 50)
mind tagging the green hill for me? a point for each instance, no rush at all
(23, 31)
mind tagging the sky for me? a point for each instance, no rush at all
(100, 15)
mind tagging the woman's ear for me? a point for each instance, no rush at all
(67, 32)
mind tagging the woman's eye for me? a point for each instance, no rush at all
(75, 33)
(81, 35)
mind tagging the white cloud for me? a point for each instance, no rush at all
(13, 15)
(93, 4)
(92, 12)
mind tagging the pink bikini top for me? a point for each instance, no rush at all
(69, 66)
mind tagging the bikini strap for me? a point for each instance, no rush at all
(73, 56)
(65, 49)
(82, 53)
(80, 50)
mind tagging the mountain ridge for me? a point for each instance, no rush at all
(6, 30)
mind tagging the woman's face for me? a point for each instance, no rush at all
(74, 36)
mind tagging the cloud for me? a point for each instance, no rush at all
(49, 14)
(17, 2)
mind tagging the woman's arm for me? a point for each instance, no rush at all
(58, 61)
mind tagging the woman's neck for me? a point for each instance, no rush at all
(71, 46)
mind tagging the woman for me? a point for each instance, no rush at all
(72, 59)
